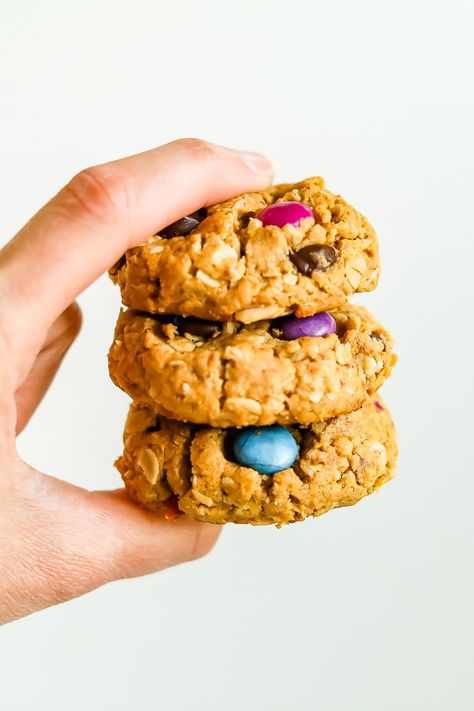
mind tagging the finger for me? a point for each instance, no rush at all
(68, 542)
(108, 208)
(149, 542)
(59, 338)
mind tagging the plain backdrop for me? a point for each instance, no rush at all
(367, 608)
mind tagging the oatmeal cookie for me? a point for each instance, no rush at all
(339, 462)
(292, 248)
(229, 374)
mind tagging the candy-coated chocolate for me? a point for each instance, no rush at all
(321, 324)
(268, 450)
(284, 213)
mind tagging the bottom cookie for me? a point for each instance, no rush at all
(339, 462)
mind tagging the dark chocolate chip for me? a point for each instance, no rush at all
(341, 329)
(314, 258)
(154, 428)
(380, 338)
(198, 327)
(160, 318)
(185, 225)
(245, 219)
(119, 264)
(155, 289)
(228, 445)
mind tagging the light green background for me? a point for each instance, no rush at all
(366, 609)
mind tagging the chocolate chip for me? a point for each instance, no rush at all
(380, 338)
(228, 445)
(314, 258)
(154, 428)
(245, 219)
(119, 264)
(341, 329)
(198, 327)
(160, 318)
(185, 225)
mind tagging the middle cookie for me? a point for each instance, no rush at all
(230, 375)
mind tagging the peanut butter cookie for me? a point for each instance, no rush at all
(289, 249)
(338, 462)
(229, 375)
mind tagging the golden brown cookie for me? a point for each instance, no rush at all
(230, 267)
(340, 461)
(228, 374)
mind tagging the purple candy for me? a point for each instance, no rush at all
(284, 213)
(321, 324)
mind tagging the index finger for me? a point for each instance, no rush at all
(105, 210)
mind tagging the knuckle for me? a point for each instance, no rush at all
(100, 192)
(196, 148)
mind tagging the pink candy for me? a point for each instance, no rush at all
(284, 213)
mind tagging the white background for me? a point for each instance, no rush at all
(367, 608)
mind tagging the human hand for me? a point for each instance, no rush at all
(58, 541)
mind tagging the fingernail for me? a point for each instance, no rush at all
(258, 163)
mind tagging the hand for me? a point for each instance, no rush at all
(58, 541)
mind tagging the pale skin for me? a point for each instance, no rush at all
(58, 541)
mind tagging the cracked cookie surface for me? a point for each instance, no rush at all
(340, 461)
(231, 267)
(245, 374)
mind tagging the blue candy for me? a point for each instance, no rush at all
(268, 450)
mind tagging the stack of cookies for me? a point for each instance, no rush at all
(254, 382)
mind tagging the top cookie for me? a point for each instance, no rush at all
(228, 263)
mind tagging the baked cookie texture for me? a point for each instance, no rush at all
(241, 414)
(229, 374)
(340, 461)
(232, 268)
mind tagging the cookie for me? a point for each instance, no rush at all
(292, 248)
(228, 374)
(339, 462)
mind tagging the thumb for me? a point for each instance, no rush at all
(69, 541)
